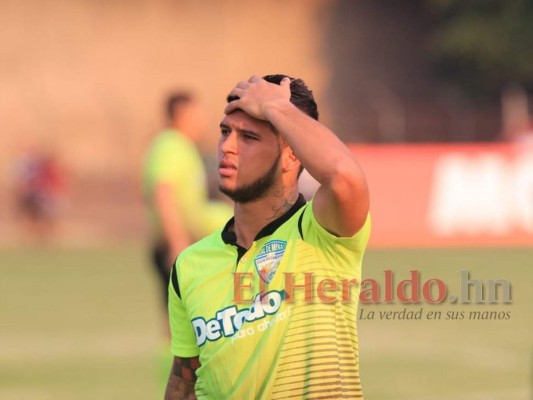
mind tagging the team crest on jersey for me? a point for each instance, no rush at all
(268, 259)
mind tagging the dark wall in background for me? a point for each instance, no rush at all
(382, 87)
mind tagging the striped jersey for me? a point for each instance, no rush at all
(275, 321)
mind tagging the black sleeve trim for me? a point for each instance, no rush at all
(300, 223)
(174, 279)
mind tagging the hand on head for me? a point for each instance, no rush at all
(256, 95)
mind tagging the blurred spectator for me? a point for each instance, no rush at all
(39, 188)
(517, 121)
(521, 134)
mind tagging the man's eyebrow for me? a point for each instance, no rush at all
(247, 131)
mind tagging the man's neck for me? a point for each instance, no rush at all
(253, 216)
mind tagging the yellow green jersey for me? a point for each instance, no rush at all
(173, 159)
(275, 321)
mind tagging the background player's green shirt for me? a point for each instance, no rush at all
(277, 344)
(174, 159)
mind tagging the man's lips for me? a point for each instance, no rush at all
(226, 168)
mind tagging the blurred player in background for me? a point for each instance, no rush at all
(39, 187)
(175, 188)
(240, 329)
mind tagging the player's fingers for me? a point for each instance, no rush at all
(254, 78)
(236, 92)
(243, 85)
(285, 82)
(231, 106)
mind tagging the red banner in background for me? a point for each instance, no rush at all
(449, 194)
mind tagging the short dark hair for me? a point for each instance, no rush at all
(175, 101)
(301, 95)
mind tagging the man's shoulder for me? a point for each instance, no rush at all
(201, 259)
(209, 243)
(167, 137)
(165, 142)
(314, 233)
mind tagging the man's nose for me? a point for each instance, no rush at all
(228, 143)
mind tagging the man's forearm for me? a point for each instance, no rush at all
(179, 389)
(308, 139)
(182, 379)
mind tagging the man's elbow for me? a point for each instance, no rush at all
(348, 182)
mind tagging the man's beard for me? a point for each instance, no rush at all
(254, 190)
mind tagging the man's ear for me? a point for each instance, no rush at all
(289, 160)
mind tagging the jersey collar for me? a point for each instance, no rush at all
(229, 237)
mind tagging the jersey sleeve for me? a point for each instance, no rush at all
(181, 329)
(333, 247)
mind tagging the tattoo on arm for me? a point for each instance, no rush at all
(182, 378)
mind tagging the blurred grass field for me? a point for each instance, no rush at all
(84, 324)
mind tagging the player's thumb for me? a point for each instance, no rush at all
(286, 82)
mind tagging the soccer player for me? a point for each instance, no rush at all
(260, 309)
(175, 186)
